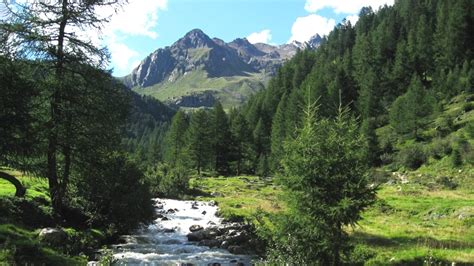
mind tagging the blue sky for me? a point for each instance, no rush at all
(146, 25)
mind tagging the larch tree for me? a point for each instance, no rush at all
(50, 31)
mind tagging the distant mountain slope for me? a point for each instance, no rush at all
(145, 128)
(196, 70)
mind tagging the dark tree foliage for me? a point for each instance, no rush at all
(325, 179)
(145, 129)
(79, 112)
(241, 150)
(114, 194)
(221, 139)
(45, 31)
(199, 140)
(369, 65)
(18, 133)
(176, 138)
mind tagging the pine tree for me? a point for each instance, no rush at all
(409, 110)
(199, 139)
(242, 139)
(325, 179)
(278, 134)
(176, 137)
(221, 139)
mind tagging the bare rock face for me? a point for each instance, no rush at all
(196, 51)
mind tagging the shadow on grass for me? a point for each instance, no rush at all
(196, 192)
(375, 240)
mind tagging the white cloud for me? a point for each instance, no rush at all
(344, 6)
(306, 27)
(353, 19)
(264, 36)
(122, 55)
(137, 18)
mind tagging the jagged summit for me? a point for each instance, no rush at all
(196, 54)
(194, 39)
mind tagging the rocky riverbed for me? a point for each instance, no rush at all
(187, 233)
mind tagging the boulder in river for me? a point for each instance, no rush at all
(194, 228)
(196, 236)
(237, 250)
(212, 243)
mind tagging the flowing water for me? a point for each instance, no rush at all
(165, 243)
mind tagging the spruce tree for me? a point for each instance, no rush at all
(176, 137)
(408, 112)
(278, 133)
(242, 140)
(221, 139)
(325, 178)
(199, 139)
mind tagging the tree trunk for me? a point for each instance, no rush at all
(53, 177)
(20, 189)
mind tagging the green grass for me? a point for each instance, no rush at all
(35, 186)
(19, 245)
(409, 223)
(231, 91)
(240, 197)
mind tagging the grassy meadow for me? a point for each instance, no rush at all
(410, 223)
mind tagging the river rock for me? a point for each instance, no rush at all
(196, 236)
(159, 206)
(53, 236)
(212, 203)
(165, 218)
(216, 194)
(169, 230)
(194, 228)
(239, 250)
(212, 243)
(170, 211)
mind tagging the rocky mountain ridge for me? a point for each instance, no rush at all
(237, 62)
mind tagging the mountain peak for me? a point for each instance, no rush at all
(194, 39)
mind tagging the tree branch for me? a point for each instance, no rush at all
(20, 189)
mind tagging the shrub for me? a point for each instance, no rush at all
(468, 107)
(439, 148)
(116, 197)
(412, 156)
(168, 181)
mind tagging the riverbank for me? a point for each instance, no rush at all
(185, 233)
(29, 234)
(412, 222)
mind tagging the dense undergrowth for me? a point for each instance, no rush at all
(21, 220)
